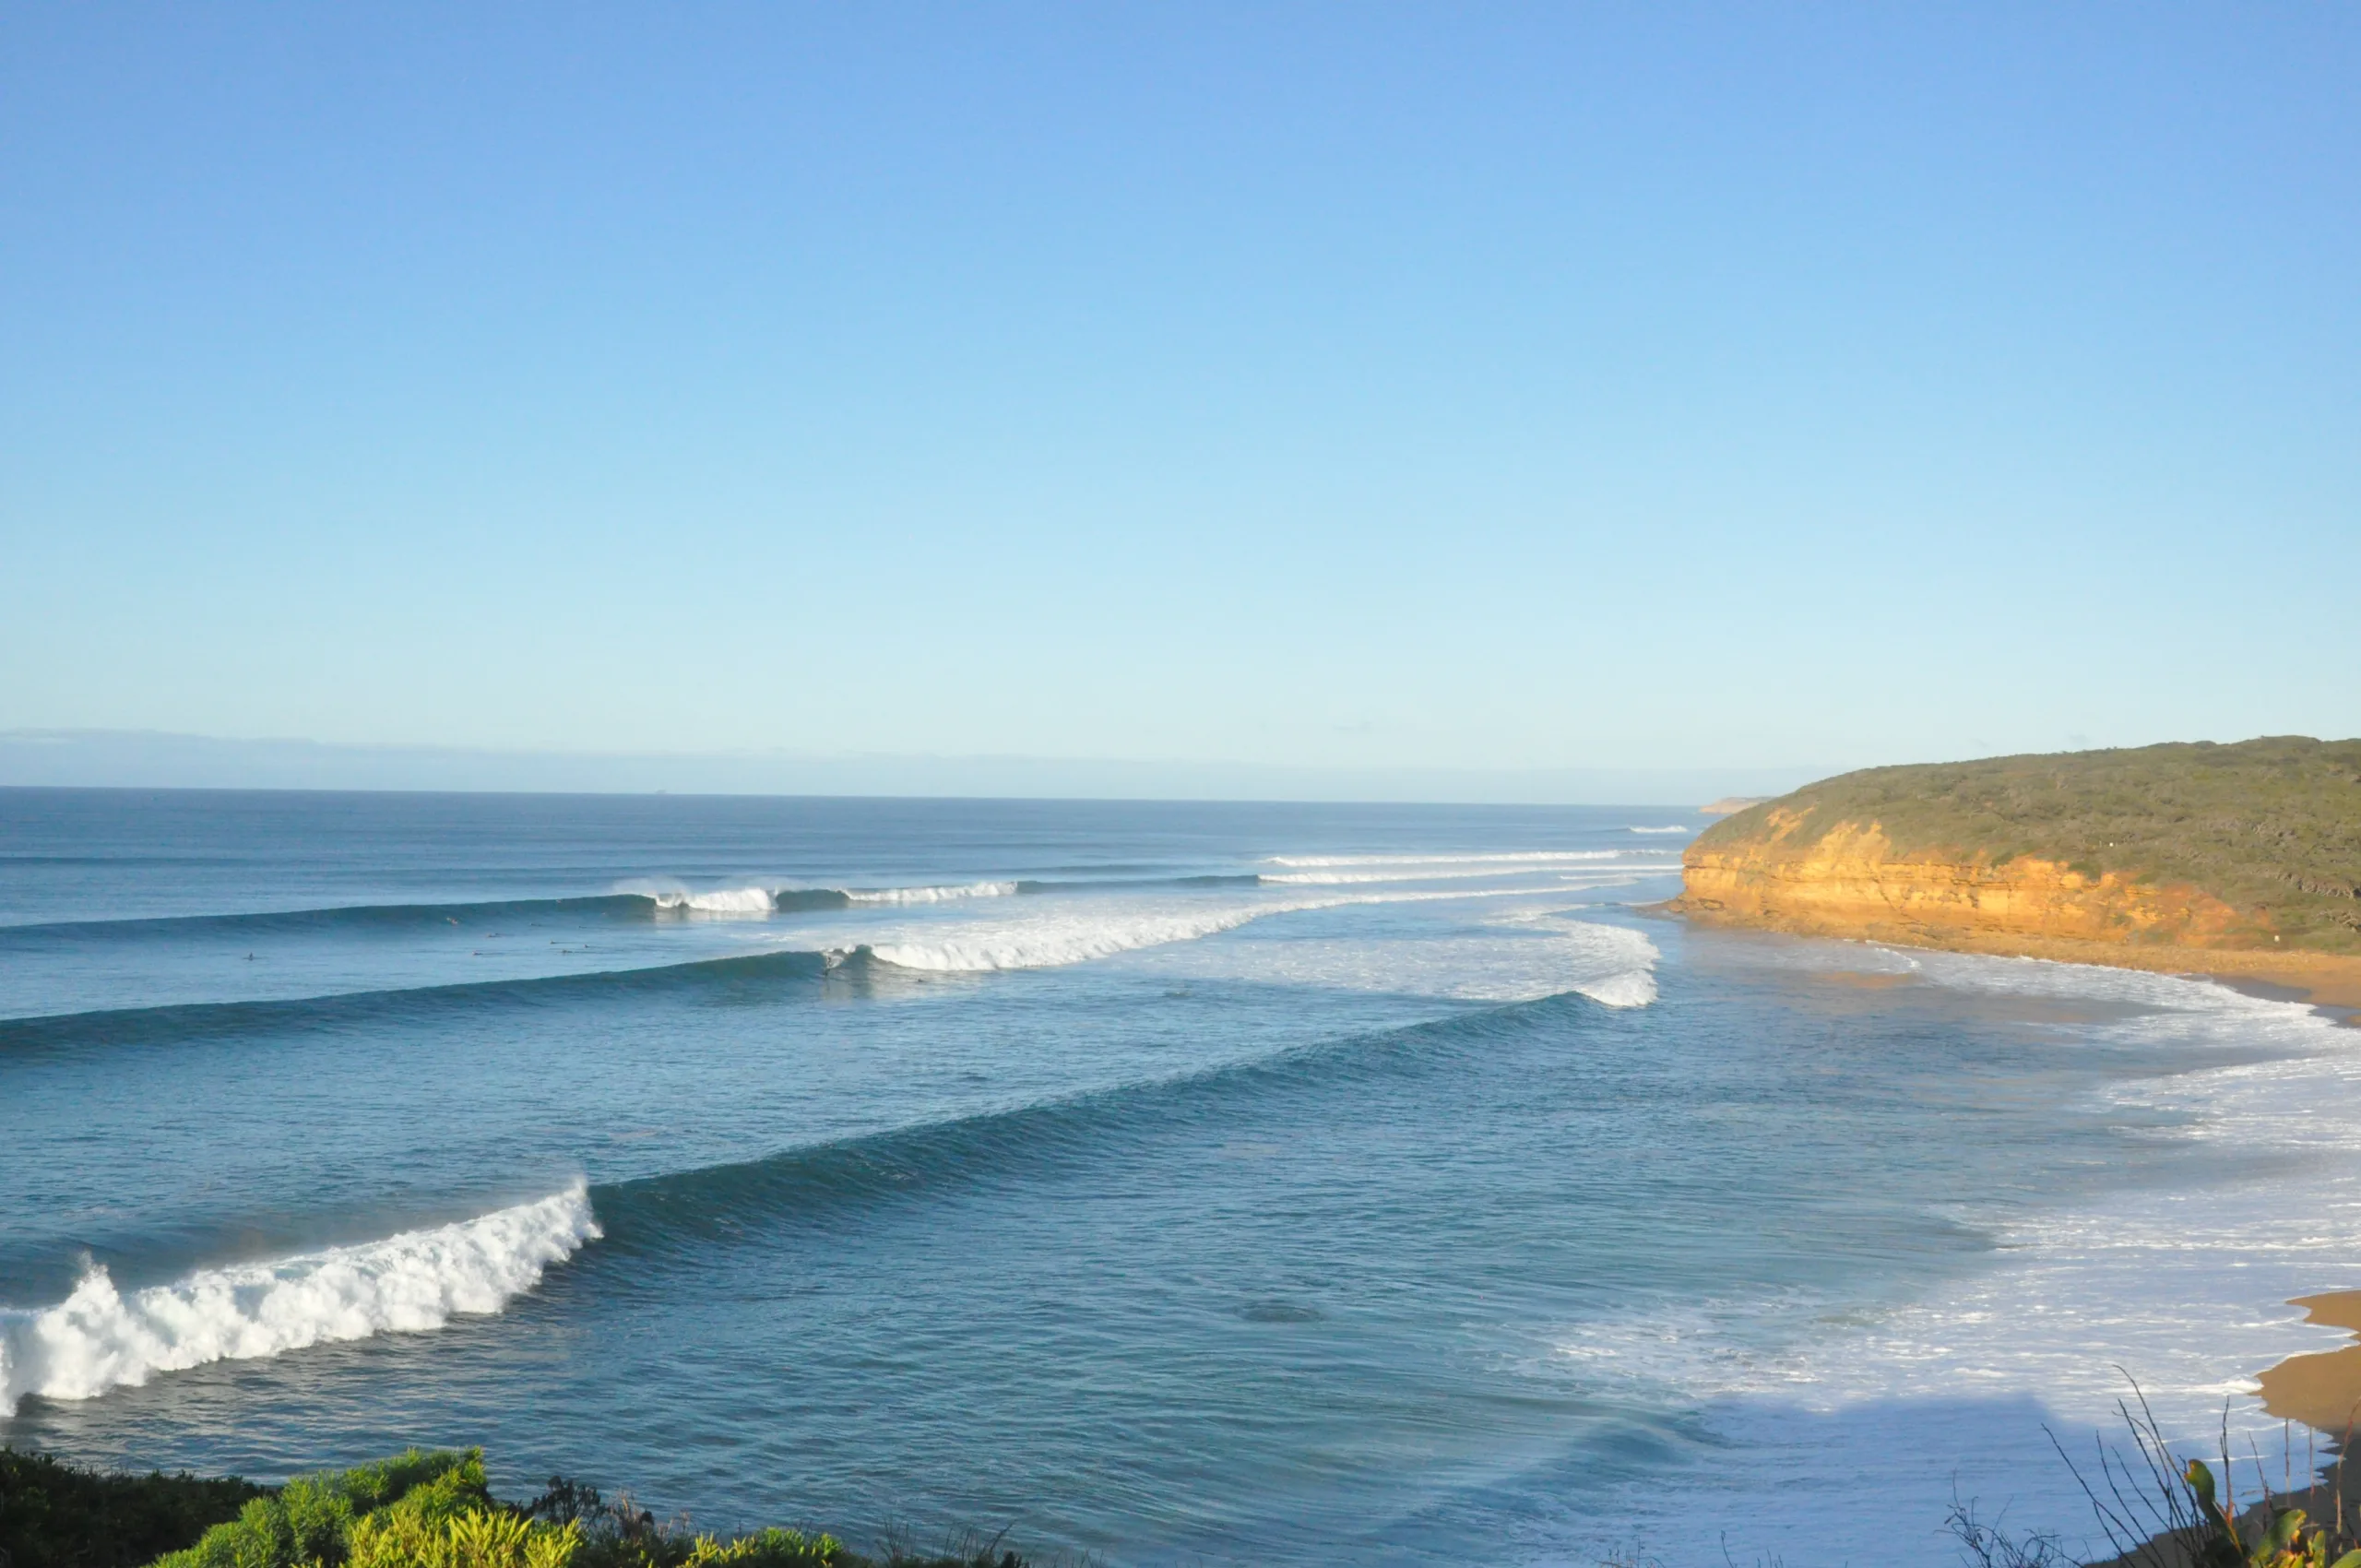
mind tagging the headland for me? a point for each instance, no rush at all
(2242, 861)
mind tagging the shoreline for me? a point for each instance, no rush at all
(2328, 982)
(2320, 1389)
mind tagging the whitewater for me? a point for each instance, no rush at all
(1185, 1184)
(98, 1338)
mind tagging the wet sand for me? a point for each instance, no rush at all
(2321, 1390)
(2328, 981)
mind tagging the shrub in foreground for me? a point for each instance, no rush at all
(312, 1518)
(433, 1510)
(2159, 1510)
(56, 1516)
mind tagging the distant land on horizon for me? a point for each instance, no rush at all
(150, 759)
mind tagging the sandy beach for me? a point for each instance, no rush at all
(2321, 1390)
(2331, 981)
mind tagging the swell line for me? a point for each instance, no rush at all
(951, 950)
(680, 1212)
(636, 905)
(351, 918)
(214, 1020)
(101, 1337)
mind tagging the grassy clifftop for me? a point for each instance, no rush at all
(2269, 829)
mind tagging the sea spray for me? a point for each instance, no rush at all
(99, 1338)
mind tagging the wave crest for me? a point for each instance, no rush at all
(716, 902)
(1630, 988)
(1526, 858)
(773, 900)
(1050, 943)
(98, 1338)
(934, 895)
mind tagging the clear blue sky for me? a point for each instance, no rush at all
(1344, 385)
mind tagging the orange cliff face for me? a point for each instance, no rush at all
(1851, 880)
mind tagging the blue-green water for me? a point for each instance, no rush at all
(1187, 1183)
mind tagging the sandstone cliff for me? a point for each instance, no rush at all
(2242, 859)
(1851, 879)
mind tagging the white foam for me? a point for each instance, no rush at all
(1347, 878)
(712, 901)
(945, 894)
(2182, 1285)
(1622, 873)
(1519, 957)
(764, 900)
(1063, 934)
(1059, 940)
(1628, 988)
(98, 1338)
(1676, 827)
(1522, 857)
(1334, 871)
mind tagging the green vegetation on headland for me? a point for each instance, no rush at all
(418, 1510)
(2271, 828)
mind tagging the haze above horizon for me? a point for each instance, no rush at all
(1376, 391)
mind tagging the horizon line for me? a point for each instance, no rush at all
(156, 759)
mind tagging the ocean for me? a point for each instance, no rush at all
(1177, 1183)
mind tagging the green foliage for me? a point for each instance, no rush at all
(418, 1510)
(2284, 1540)
(309, 1520)
(2161, 1509)
(773, 1548)
(2271, 828)
(55, 1516)
(618, 1534)
(410, 1536)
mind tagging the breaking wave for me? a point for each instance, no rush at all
(1048, 942)
(1526, 858)
(98, 1338)
(768, 900)
(1518, 958)
(934, 895)
(1627, 988)
(1676, 827)
(1044, 939)
(1465, 874)
(1037, 944)
(629, 901)
(719, 901)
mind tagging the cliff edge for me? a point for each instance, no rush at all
(2241, 859)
